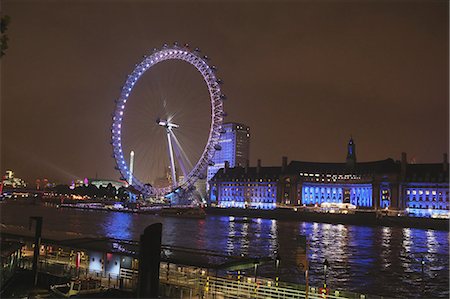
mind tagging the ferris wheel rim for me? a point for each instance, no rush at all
(217, 114)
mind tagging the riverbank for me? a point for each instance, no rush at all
(363, 218)
(366, 218)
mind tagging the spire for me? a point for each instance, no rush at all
(351, 153)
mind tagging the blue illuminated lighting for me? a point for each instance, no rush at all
(254, 195)
(118, 225)
(231, 149)
(360, 194)
(312, 195)
(425, 201)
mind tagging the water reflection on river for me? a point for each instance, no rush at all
(374, 260)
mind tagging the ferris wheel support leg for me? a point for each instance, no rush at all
(172, 161)
(132, 196)
(180, 160)
(183, 153)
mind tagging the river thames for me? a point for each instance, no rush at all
(372, 260)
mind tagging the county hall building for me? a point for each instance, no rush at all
(418, 189)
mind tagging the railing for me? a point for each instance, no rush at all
(206, 286)
(195, 282)
(62, 269)
(220, 287)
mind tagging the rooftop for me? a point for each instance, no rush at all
(431, 172)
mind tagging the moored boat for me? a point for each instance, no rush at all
(183, 212)
(79, 287)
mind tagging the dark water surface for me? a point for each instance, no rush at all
(373, 260)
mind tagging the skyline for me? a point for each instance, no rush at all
(378, 72)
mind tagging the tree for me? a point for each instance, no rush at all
(91, 190)
(111, 191)
(62, 189)
(4, 22)
(122, 193)
(102, 191)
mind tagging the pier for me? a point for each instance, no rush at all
(184, 272)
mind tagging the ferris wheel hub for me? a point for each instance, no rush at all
(166, 124)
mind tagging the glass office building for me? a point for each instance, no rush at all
(235, 145)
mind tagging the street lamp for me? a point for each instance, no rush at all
(277, 265)
(256, 269)
(256, 262)
(325, 267)
(422, 263)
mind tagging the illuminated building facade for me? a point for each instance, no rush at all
(418, 189)
(235, 146)
(10, 180)
(104, 183)
(245, 187)
(425, 191)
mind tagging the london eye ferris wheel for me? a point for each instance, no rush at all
(167, 121)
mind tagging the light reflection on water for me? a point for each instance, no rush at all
(432, 246)
(386, 247)
(374, 260)
(118, 225)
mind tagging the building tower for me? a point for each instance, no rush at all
(235, 148)
(351, 154)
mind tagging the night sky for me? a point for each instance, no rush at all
(303, 75)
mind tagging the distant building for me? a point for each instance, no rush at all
(235, 148)
(246, 187)
(418, 189)
(104, 183)
(9, 180)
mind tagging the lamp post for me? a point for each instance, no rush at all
(422, 264)
(256, 276)
(277, 265)
(325, 267)
(256, 270)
